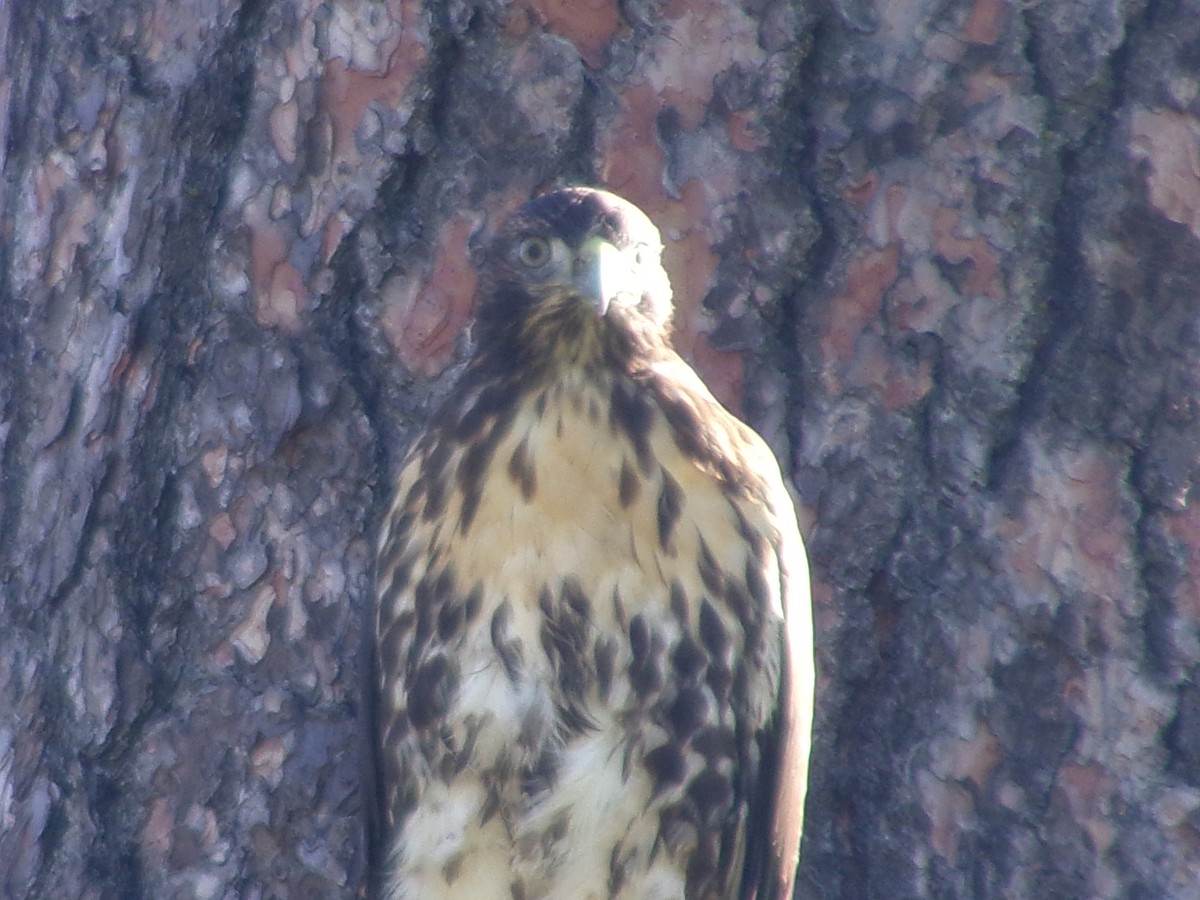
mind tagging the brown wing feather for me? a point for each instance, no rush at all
(796, 711)
(739, 458)
(777, 815)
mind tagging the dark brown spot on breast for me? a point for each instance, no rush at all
(451, 764)
(431, 690)
(564, 636)
(435, 499)
(670, 505)
(711, 792)
(389, 641)
(631, 413)
(715, 744)
(752, 613)
(575, 599)
(639, 637)
(555, 832)
(414, 500)
(680, 608)
(573, 718)
(403, 797)
(701, 868)
(445, 584)
(629, 485)
(521, 471)
(716, 640)
(746, 686)
(454, 758)
(712, 631)
(616, 869)
(756, 583)
(645, 671)
(450, 619)
(666, 766)
(494, 405)
(619, 609)
(605, 653)
(687, 712)
(677, 829)
(718, 677)
(473, 466)
(506, 646)
(686, 426)
(692, 433)
(425, 605)
(399, 531)
(401, 578)
(688, 658)
(473, 602)
(737, 600)
(433, 463)
(540, 774)
(396, 582)
(471, 497)
(746, 530)
(394, 724)
(710, 573)
(491, 798)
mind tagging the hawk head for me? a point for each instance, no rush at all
(574, 276)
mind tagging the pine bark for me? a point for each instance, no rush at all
(943, 254)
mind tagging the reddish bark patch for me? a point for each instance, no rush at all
(590, 25)
(422, 322)
(278, 288)
(632, 160)
(1170, 143)
(983, 276)
(986, 21)
(868, 276)
(1071, 536)
(347, 93)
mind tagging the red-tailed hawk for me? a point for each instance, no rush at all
(594, 642)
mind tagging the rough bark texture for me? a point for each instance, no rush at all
(943, 253)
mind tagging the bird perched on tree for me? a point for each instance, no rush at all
(593, 640)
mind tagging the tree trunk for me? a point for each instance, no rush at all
(944, 254)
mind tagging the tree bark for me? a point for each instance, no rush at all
(943, 254)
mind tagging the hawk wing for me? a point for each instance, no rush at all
(774, 831)
(740, 459)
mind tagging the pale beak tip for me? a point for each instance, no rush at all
(598, 273)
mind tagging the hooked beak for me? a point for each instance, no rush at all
(600, 274)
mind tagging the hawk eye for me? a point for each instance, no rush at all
(533, 252)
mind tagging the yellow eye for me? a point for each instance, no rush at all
(533, 252)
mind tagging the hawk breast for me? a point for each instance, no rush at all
(585, 652)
